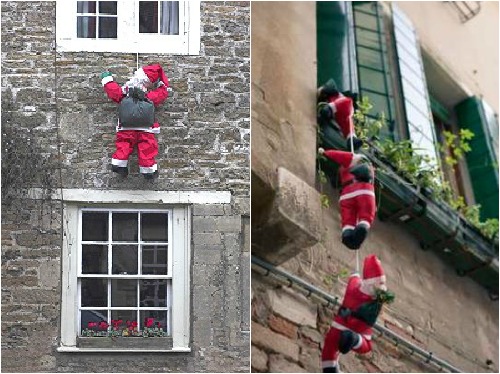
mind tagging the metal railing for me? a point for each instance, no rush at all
(312, 291)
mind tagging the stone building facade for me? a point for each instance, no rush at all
(435, 310)
(57, 139)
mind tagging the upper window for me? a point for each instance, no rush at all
(129, 26)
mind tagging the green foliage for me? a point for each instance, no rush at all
(325, 200)
(384, 296)
(417, 168)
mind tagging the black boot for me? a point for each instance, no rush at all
(151, 176)
(331, 369)
(359, 235)
(348, 239)
(348, 340)
(120, 170)
(356, 143)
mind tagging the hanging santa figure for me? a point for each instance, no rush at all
(337, 109)
(352, 325)
(137, 126)
(357, 197)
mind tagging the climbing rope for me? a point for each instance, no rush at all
(352, 151)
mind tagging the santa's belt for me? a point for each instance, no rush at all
(354, 180)
(340, 327)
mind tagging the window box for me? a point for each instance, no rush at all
(150, 343)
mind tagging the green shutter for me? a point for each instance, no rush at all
(481, 160)
(372, 60)
(335, 45)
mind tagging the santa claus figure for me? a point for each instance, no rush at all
(337, 109)
(357, 198)
(137, 126)
(352, 326)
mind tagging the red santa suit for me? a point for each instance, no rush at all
(357, 198)
(349, 332)
(142, 137)
(341, 109)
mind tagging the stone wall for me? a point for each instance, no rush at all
(59, 126)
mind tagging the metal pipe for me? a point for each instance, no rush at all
(384, 331)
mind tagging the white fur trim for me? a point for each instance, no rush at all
(376, 280)
(148, 169)
(359, 343)
(154, 130)
(119, 163)
(364, 223)
(141, 75)
(347, 227)
(340, 327)
(352, 194)
(107, 79)
(329, 363)
(333, 107)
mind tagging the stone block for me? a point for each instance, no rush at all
(50, 272)
(259, 359)
(293, 307)
(266, 339)
(279, 364)
(292, 223)
(208, 210)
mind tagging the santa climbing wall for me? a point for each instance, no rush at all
(352, 325)
(338, 109)
(357, 198)
(137, 125)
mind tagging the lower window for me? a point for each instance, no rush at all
(125, 276)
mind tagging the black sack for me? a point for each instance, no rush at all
(136, 112)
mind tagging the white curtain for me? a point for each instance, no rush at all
(169, 20)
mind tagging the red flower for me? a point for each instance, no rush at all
(91, 325)
(116, 323)
(103, 325)
(149, 322)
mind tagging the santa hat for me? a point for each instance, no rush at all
(372, 271)
(340, 157)
(152, 73)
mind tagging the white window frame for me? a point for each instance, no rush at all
(110, 275)
(129, 40)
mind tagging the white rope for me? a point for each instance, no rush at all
(352, 151)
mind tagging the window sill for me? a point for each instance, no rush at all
(138, 345)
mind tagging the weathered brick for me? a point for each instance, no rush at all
(293, 307)
(282, 326)
(278, 364)
(270, 341)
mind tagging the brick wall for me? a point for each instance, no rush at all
(204, 145)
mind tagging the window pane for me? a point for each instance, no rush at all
(94, 259)
(373, 79)
(153, 292)
(95, 226)
(123, 292)
(85, 27)
(365, 20)
(125, 227)
(368, 38)
(154, 318)
(169, 18)
(85, 6)
(154, 227)
(94, 292)
(154, 259)
(107, 27)
(148, 17)
(124, 259)
(370, 57)
(107, 7)
(92, 316)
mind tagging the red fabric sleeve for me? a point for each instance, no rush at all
(114, 91)
(158, 95)
(340, 157)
